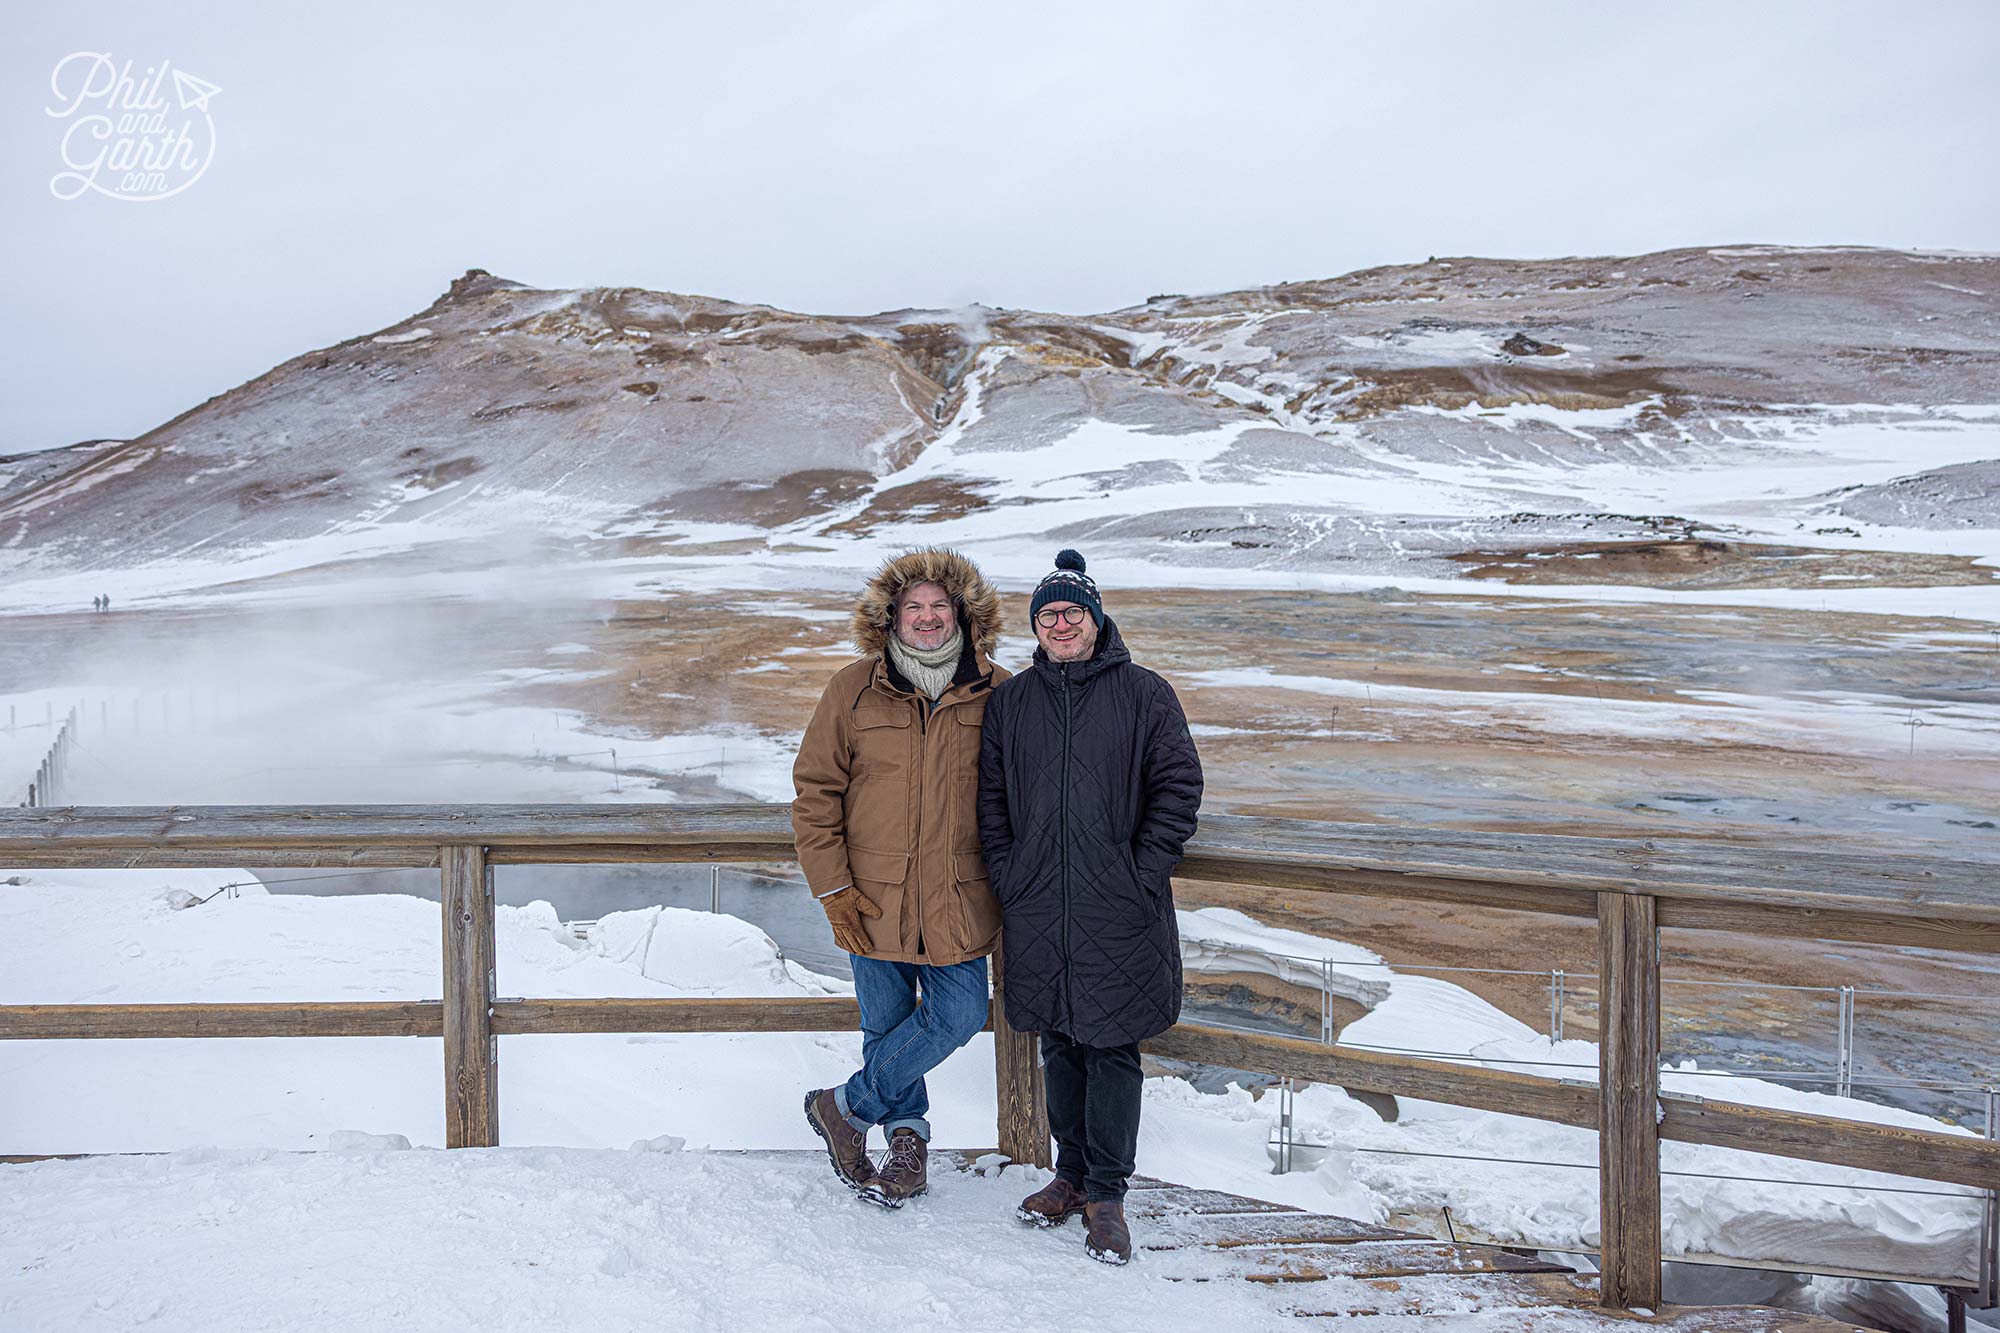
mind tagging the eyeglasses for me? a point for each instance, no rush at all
(1069, 614)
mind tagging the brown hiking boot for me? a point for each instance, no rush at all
(846, 1145)
(1052, 1205)
(904, 1172)
(1107, 1239)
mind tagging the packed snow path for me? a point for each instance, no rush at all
(368, 1236)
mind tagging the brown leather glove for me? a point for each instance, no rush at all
(844, 911)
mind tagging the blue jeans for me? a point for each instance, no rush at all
(902, 1039)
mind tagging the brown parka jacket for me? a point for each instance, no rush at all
(888, 784)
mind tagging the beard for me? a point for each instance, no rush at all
(1075, 650)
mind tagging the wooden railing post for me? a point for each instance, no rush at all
(1628, 1063)
(471, 1057)
(1017, 1083)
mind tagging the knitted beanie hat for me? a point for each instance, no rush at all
(1068, 584)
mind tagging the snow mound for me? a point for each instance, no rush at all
(699, 952)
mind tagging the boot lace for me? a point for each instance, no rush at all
(904, 1154)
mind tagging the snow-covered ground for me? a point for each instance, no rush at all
(117, 937)
(554, 1238)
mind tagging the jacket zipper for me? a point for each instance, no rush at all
(1069, 980)
(916, 869)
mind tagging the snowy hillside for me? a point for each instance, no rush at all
(1476, 417)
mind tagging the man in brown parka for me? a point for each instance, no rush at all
(886, 823)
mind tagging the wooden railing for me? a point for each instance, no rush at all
(1631, 888)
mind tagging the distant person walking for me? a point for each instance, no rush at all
(886, 825)
(1089, 785)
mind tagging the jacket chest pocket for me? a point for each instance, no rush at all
(965, 735)
(882, 745)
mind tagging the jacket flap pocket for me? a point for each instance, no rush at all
(878, 867)
(969, 716)
(968, 865)
(881, 717)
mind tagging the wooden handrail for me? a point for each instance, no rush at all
(1633, 888)
(1859, 1144)
(1958, 1159)
(1773, 888)
(303, 1018)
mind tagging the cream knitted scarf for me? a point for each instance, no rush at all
(929, 669)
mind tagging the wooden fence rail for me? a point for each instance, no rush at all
(1633, 889)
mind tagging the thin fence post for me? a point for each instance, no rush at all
(1326, 1033)
(1844, 1078)
(1989, 1222)
(471, 1074)
(1628, 1138)
(1286, 1133)
(1558, 987)
(715, 890)
(1023, 1111)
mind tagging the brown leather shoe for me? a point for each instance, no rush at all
(903, 1174)
(846, 1145)
(1052, 1205)
(1107, 1239)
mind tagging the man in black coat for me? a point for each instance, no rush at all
(1088, 788)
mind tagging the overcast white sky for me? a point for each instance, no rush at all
(843, 158)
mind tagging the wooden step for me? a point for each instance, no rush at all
(1350, 1259)
(1179, 1200)
(1740, 1319)
(1461, 1294)
(1680, 1319)
(1223, 1231)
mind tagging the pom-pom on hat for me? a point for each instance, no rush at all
(1068, 584)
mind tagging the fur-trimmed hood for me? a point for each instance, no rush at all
(978, 601)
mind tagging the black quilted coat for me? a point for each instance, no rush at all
(1088, 788)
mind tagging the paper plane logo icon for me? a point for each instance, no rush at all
(194, 93)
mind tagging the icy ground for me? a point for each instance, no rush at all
(567, 1238)
(553, 1238)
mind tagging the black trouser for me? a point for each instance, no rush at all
(1094, 1094)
